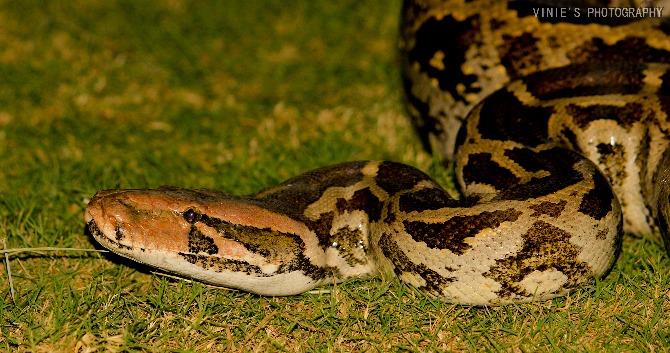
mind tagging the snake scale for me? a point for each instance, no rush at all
(558, 133)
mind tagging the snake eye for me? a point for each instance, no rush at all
(190, 215)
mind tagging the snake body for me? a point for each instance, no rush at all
(559, 136)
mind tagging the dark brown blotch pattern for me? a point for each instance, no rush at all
(321, 227)
(625, 115)
(294, 195)
(394, 177)
(558, 162)
(431, 199)
(504, 118)
(198, 242)
(587, 79)
(642, 161)
(350, 245)
(664, 93)
(631, 49)
(527, 158)
(597, 203)
(220, 264)
(275, 246)
(361, 200)
(545, 247)
(452, 37)
(612, 160)
(520, 54)
(452, 233)
(569, 136)
(402, 264)
(481, 168)
(550, 209)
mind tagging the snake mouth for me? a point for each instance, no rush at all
(98, 224)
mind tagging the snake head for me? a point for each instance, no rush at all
(149, 225)
(206, 235)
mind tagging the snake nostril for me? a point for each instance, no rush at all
(190, 216)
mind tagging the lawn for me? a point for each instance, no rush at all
(106, 94)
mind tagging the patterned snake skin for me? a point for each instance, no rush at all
(559, 136)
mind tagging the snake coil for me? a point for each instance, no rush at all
(559, 134)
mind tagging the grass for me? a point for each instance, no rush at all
(108, 94)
